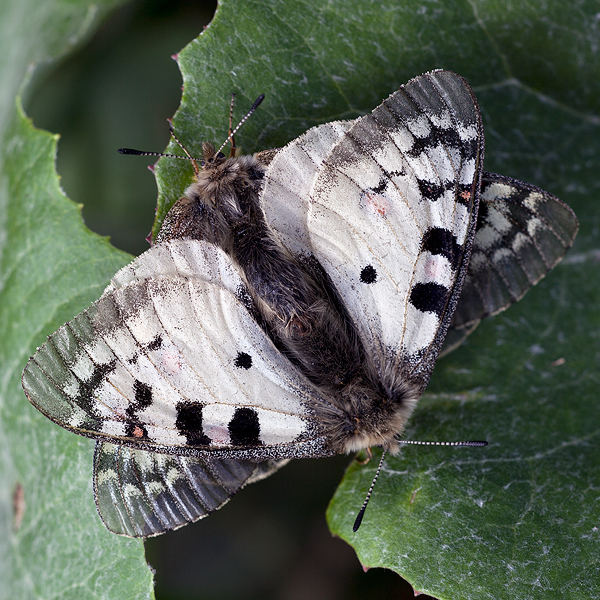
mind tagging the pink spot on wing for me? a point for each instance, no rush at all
(218, 435)
(376, 204)
(172, 363)
(433, 268)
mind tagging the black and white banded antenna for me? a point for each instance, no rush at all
(363, 508)
(188, 156)
(244, 119)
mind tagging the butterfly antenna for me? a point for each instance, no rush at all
(363, 508)
(471, 443)
(231, 134)
(361, 512)
(187, 156)
(252, 109)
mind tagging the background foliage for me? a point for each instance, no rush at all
(519, 518)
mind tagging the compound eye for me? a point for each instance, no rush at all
(220, 155)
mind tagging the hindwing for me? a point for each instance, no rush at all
(141, 494)
(522, 233)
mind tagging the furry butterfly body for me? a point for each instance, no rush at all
(294, 305)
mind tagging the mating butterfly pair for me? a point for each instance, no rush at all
(294, 305)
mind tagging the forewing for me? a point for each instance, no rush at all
(522, 233)
(142, 494)
(170, 359)
(391, 217)
(288, 181)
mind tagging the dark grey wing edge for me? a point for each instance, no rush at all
(144, 494)
(455, 95)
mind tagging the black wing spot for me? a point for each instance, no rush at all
(189, 423)
(437, 136)
(379, 189)
(482, 215)
(86, 397)
(444, 137)
(143, 394)
(100, 373)
(368, 275)
(243, 360)
(429, 297)
(430, 191)
(438, 240)
(244, 428)
(142, 399)
(155, 344)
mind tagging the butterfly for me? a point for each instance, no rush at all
(294, 305)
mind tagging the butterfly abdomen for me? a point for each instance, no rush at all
(315, 333)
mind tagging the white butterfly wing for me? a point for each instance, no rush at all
(288, 182)
(169, 359)
(391, 217)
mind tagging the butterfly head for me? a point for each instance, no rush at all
(210, 157)
(370, 416)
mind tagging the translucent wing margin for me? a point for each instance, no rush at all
(143, 494)
(522, 233)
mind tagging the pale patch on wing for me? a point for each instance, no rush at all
(423, 327)
(419, 127)
(216, 418)
(288, 180)
(434, 268)
(533, 226)
(278, 428)
(494, 192)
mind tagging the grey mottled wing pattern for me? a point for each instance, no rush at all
(522, 233)
(142, 494)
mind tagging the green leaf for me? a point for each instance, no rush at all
(516, 519)
(52, 543)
